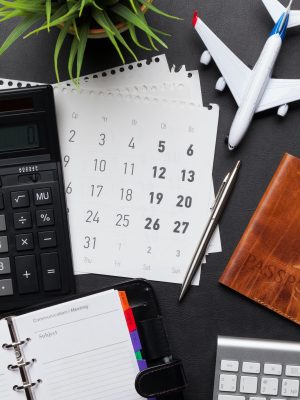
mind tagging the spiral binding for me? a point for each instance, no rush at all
(15, 345)
(14, 367)
(20, 388)
(21, 364)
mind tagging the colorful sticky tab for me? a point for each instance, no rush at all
(130, 320)
(135, 340)
(138, 355)
(124, 300)
(142, 365)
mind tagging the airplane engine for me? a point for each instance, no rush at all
(221, 84)
(283, 110)
(205, 58)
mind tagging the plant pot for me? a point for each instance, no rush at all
(99, 33)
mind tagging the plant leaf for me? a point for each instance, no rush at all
(151, 7)
(60, 40)
(83, 35)
(99, 17)
(72, 56)
(75, 28)
(18, 31)
(129, 16)
(133, 6)
(161, 32)
(60, 17)
(48, 12)
(118, 35)
(134, 37)
(83, 4)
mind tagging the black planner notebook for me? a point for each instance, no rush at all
(106, 345)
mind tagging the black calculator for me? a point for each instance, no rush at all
(35, 249)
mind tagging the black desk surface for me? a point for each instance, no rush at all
(209, 309)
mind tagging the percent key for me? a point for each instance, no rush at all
(45, 217)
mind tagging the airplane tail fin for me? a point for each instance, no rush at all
(276, 9)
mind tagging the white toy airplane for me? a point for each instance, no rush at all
(254, 90)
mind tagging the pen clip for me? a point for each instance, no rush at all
(220, 192)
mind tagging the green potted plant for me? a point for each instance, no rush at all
(83, 19)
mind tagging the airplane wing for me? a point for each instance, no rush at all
(279, 92)
(276, 9)
(234, 71)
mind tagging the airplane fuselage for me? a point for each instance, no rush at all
(259, 81)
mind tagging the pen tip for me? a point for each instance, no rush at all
(181, 296)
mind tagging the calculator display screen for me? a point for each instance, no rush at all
(19, 137)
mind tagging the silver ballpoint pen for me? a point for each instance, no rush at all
(217, 210)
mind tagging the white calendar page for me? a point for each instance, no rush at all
(138, 178)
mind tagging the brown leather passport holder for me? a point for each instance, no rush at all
(265, 266)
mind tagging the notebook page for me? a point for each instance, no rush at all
(115, 214)
(83, 350)
(8, 379)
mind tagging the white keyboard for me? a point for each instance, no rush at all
(253, 369)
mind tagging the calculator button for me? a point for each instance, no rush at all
(51, 271)
(1, 201)
(4, 266)
(22, 220)
(6, 288)
(229, 366)
(19, 199)
(3, 244)
(26, 274)
(2, 223)
(42, 196)
(47, 239)
(272, 369)
(24, 242)
(45, 217)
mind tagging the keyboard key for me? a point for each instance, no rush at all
(42, 196)
(248, 384)
(51, 271)
(45, 217)
(230, 397)
(22, 220)
(258, 398)
(6, 288)
(3, 244)
(26, 274)
(269, 386)
(47, 239)
(251, 367)
(292, 370)
(272, 369)
(19, 199)
(24, 242)
(229, 365)
(290, 387)
(227, 383)
(2, 223)
(4, 266)
(1, 201)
